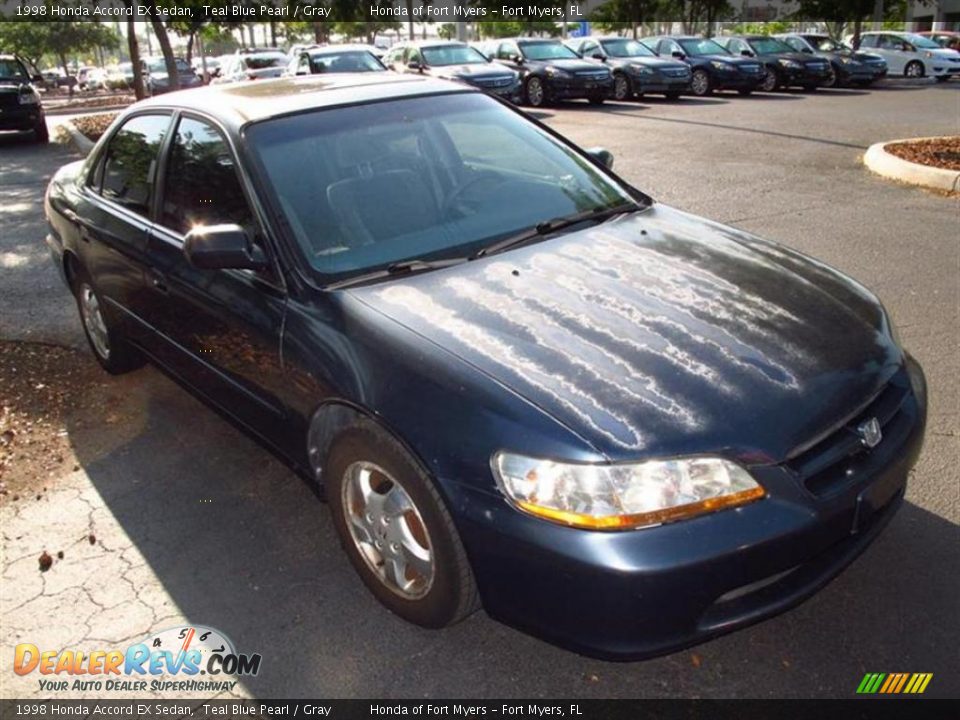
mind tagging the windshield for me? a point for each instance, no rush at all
(921, 42)
(769, 46)
(159, 66)
(625, 48)
(11, 69)
(264, 61)
(694, 48)
(452, 55)
(366, 186)
(547, 51)
(344, 62)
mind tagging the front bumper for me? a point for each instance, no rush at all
(737, 81)
(803, 76)
(636, 594)
(20, 117)
(661, 83)
(573, 88)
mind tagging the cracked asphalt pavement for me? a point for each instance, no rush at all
(196, 523)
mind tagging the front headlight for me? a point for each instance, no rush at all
(847, 61)
(29, 98)
(789, 63)
(620, 497)
(726, 67)
(639, 69)
(557, 72)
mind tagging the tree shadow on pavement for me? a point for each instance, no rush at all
(242, 544)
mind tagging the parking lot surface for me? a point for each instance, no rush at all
(198, 523)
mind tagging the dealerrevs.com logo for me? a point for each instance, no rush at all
(182, 659)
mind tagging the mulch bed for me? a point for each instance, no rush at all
(938, 152)
(93, 126)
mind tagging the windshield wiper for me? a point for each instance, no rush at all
(549, 227)
(402, 267)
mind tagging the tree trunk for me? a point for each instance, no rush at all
(161, 32)
(190, 47)
(133, 46)
(857, 27)
(318, 32)
(253, 37)
(273, 33)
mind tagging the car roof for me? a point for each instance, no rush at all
(334, 49)
(236, 104)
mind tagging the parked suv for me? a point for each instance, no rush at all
(550, 71)
(636, 68)
(785, 67)
(157, 79)
(20, 107)
(712, 67)
(912, 56)
(848, 66)
(453, 60)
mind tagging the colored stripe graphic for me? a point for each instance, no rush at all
(894, 683)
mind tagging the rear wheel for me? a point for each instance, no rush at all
(109, 347)
(914, 69)
(534, 92)
(621, 87)
(700, 83)
(396, 530)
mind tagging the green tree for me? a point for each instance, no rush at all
(447, 31)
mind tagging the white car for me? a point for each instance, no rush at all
(912, 56)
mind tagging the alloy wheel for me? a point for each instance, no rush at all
(388, 530)
(621, 88)
(93, 321)
(913, 70)
(535, 92)
(769, 83)
(700, 83)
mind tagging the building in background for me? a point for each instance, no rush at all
(933, 15)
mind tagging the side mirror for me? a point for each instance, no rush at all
(220, 247)
(746, 53)
(807, 50)
(599, 56)
(517, 59)
(678, 55)
(602, 156)
(414, 65)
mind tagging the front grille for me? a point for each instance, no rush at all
(675, 72)
(817, 67)
(824, 468)
(750, 68)
(9, 100)
(592, 74)
(494, 82)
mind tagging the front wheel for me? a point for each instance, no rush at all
(914, 69)
(770, 81)
(621, 87)
(700, 83)
(396, 530)
(833, 80)
(109, 346)
(534, 92)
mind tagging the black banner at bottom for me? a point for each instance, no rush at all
(881, 709)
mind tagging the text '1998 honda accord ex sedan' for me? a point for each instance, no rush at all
(520, 382)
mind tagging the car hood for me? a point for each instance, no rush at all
(571, 64)
(472, 71)
(653, 62)
(732, 59)
(660, 334)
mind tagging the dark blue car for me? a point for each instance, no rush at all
(519, 382)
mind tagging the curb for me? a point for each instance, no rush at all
(883, 163)
(81, 142)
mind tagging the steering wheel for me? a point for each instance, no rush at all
(451, 201)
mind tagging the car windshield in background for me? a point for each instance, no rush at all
(547, 51)
(694, 48)
(625, 48)
(452, 55)
(344, 62)
(770, 46)
(11, 70)
(159, 66)
(264, 61)
(921, 42)
(367, 186)
(825, 44)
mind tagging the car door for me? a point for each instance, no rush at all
(220, 330)
(891, 47)
(113, 216)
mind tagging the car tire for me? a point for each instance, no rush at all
(700, 83)
(770, 81)
(621, 87)
(914, 69)
(833, 81)
(389, 515)
(40, 132)
(109, 347)
(534, 93)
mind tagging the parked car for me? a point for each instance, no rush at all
(550, 71)
(912, 56)
(334, 59)
(453, 60)
(54, 79)
(91, 78)
(847, 66)
(513, 375)
(636, 68)
(20, 105)
(212, 67)
(944, 38)
(712, 67)
(253, 64)
(784, 66)
(157, 79)
(120, 77)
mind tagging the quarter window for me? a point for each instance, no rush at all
(202, 186)
(130, 163)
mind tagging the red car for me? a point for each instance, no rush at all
(944, 38)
